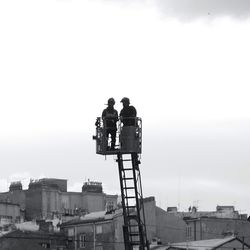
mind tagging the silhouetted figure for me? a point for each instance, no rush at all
(128, 113)
(110, 117)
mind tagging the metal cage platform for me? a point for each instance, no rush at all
(128, 138)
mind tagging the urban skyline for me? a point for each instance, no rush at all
(184, 68)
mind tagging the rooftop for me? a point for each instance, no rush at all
(203, 244)
(94, 217)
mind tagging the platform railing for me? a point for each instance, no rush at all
(128, 136)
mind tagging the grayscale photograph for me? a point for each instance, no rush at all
(125, 124)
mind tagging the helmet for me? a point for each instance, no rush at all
(111, 101)
(125, 100)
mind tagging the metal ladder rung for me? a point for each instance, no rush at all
(128, 178)
(134, 233)
(133, 226)
(129, 188)
(135, 243)
(125, 160)
(127, 169)
(129, 197)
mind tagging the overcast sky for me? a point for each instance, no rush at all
(184, 66)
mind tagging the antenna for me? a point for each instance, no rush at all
(179, 193)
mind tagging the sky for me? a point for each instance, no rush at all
(184, 66)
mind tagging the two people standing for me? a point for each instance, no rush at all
(110, 118)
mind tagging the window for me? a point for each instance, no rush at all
(98, 229)
(188, 232)
(45, 245)
(82, 240)
(70, 232)
(110, 206)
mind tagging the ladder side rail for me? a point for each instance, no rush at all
(143, 211)
(135, 166)
(125, 227)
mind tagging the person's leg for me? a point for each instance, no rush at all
(113, 138)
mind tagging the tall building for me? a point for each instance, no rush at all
(48, 197)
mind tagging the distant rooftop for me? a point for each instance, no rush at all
(225, 208)
(202, 244)
(94, 217)
(60, 184)
(220, 212)
(16, 185)
(92, 186)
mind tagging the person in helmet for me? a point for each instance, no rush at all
(128, 113)
(110, 117)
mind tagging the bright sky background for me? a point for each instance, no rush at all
(184, 66)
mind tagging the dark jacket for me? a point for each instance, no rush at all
(128, 115)
(110, 117)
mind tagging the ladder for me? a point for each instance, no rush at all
(134, 229)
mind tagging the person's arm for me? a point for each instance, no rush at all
(121, 115)
(104, 114)
(134, 112)
(116, 116)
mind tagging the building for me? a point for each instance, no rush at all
(97, 230)
(15, 195)
(9, 213)
(163, 225)
(30, 240)
(208, 228)
(105, 230)
(220, 212)
(203, 225)
(229, 243)
(48, 198)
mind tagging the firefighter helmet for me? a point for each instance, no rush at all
(111, 101)
(125, 100)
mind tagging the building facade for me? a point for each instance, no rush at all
(97, 230)
(48, 198)
(208, 228)
(105, 230)
(9, 213)
(29, 240)
(163, 225)
(228, 212)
